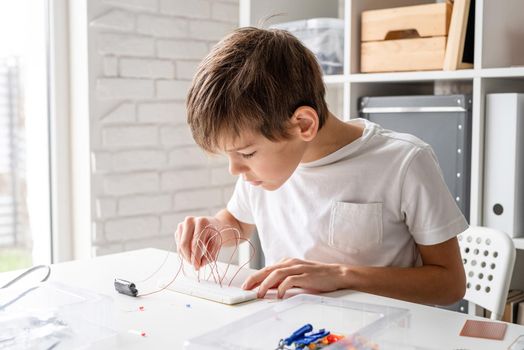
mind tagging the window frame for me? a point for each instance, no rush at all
(58, 57)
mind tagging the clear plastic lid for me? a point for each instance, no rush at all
(265, 329)
(53, 315)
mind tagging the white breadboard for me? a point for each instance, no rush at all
(211, 291)
(207, 288)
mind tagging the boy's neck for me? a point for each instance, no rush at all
(334, 135)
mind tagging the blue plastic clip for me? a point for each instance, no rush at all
(298, 334)
(311, 338)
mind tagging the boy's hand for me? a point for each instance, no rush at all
(197, 244)
(298, 273)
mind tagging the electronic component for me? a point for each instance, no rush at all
(125, 287)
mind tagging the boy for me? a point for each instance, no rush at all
(337, 205)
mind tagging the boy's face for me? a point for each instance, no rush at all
(263, 162)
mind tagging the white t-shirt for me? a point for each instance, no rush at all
(368, 204)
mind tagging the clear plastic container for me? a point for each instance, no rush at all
(53, 315)
(324, 37)
(265, 329)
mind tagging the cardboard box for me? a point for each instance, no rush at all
(405, 38)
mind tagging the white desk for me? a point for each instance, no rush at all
(168, 320)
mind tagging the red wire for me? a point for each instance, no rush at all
(212, 260)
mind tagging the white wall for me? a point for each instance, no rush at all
(146, 172)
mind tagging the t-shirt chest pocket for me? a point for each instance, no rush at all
(355, 227)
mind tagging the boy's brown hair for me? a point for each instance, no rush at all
(253, 80)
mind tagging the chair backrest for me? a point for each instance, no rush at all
(489, 257)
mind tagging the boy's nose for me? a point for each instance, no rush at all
(236, 168)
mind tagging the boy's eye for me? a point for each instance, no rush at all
(247, 156)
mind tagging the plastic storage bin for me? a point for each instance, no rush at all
(264, 329)
(324, 37)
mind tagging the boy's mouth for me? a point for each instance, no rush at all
(255, 183)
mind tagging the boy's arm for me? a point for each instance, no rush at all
(227, 219)
(441, 279)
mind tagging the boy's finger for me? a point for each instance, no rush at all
(210, 255)
(276, 277)
(201, 243)
(196, 245)
(268, 283)
(186, 237)
(177, 234)
(257, 277)
(247, 285)
(213, 244)
(288, 283)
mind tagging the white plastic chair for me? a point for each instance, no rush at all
(489, 257)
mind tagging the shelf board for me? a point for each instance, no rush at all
(412, 76)
(461, 74)
(519, 243)
(334, 79)
(507, 72)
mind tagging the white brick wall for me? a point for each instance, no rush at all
(181, 49)
(198, 199)
(147, 172)
(179, 136)
(118, 89)
(224, 11)
(130, 136)
(162, 26)
(172, 89)
(146, 68)
(186, 69)
(191, 9)
(164, 112)
(120, 44)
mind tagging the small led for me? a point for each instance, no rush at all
(140, 333)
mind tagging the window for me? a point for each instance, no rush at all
(25, 214)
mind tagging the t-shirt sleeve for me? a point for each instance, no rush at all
(239, 205)
(430, 211)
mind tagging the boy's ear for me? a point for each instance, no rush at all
(305, 122)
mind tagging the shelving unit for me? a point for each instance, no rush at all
(519, 243)
(498, 64)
